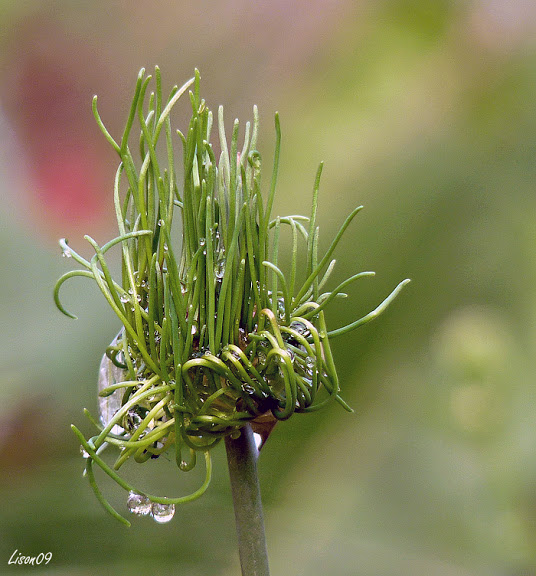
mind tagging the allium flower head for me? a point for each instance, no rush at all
(215, 334)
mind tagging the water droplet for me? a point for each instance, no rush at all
(300, 328)
(202, 241)
(84, 453)
(258, 440)
(124, 298)
(248, 389)
(308, 381)
(110, 374)
(161, 222)
(139, 504)
(261, 357)
(310, 364)
(132, 420)
(194, 329)
(162, 513)
(66, 253)
(120, 358)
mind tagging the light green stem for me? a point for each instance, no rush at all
(242, 457)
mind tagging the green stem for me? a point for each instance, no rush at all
(242, 457)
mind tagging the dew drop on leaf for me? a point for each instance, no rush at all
(219, 269)
(300, 328)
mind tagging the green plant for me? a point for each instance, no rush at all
(215, 337)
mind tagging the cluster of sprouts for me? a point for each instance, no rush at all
(214, 333)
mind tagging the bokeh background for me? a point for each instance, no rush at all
(425, 112)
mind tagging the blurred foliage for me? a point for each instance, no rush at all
(423, 112)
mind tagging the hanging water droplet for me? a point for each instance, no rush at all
(66, 252)
(138, 504)
(202, 241)
(161, 222)
(84, 453)
(110, 374)
(162, 513)
(124, 298)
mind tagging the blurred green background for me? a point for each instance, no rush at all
(425, 112)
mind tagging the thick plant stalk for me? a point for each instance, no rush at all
(242, 457)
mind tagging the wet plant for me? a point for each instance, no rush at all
(218, 340)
